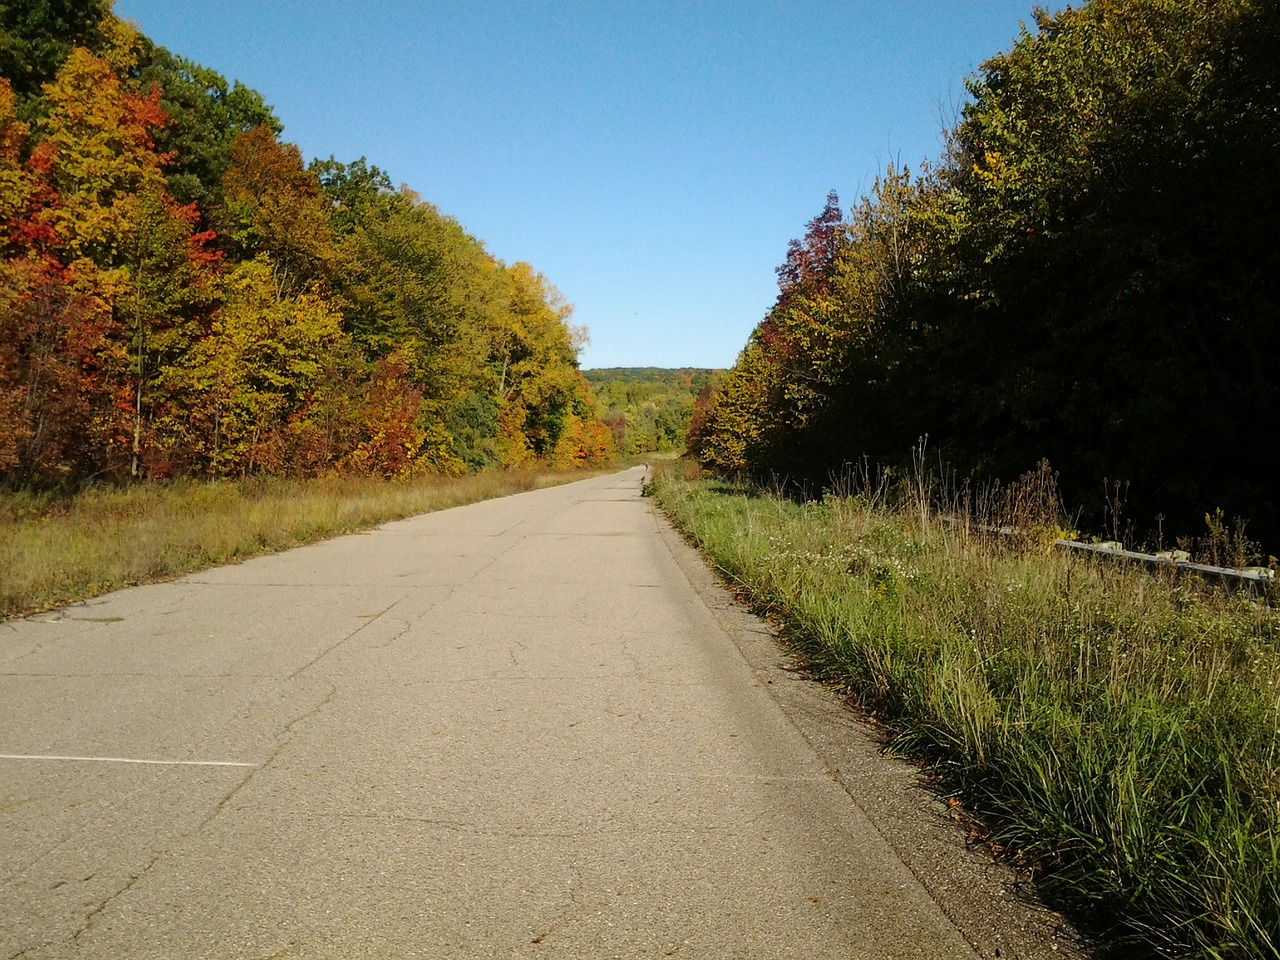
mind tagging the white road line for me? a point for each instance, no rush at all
(162, 763)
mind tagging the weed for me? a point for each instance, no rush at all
(1223, 545)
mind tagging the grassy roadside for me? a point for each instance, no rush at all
(1118, 733)
(55, 551)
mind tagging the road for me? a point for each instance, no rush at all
(531, 727)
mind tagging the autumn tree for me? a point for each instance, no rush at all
(584, 444)
(745, 416)
(648, 408)
(20, 185)
(123, 238)
(391, 438)
(274, 206)
(181, 294)
(96, 148)
(532, 353)
(238, 386)
(204, 115)
(56, 408)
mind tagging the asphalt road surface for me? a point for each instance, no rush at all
(532, 727)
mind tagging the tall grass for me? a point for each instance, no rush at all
(53, 551)
(1117, 732)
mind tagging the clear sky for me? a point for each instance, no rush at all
(652, 159)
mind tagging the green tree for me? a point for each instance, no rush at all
(36, 36)
(1108, 202)
(205, 114)
(358, 193)
(1087, 276)
(648, 409)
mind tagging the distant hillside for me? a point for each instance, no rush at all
(648, 408)
(690, 376)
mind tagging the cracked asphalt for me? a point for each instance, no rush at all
(531, 727)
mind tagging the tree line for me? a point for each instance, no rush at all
(648, 408)
(1088, 274)
(180, 294)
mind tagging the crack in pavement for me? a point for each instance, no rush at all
(354, 633)
(72, 835)
(565, 912)
(93, 914)
(625, 646)
(61, 615)
(285, 738)
(39, 645)
(512, 645)
(405, 627)
(407, 624)
(592, 679)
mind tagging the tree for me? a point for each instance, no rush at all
(170, 288)
(584, 444)
(36, 37)
(96, 149)
(236, 389)
(273, 206)
(331, 322)
(110, 217)
(744, 416)
(392, 440)
(21, 188)
(204, 114)
(1111, 190)
(362, 418)
(1088, 276)
(532, 352)
(358, 193)
(59, 413)
(648, 408)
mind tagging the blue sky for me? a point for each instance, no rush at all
(651, 159)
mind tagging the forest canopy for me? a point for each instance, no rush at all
(1088, 274)
(181, 293)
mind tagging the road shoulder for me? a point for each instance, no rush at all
(987, 901)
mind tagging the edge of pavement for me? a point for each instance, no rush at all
(989, 904)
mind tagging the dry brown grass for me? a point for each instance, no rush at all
(55, 551)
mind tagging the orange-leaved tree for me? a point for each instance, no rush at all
(109, 219)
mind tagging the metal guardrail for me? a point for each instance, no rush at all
(1259, 581)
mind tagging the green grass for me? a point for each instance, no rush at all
(1116, 732)
(54, 551)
